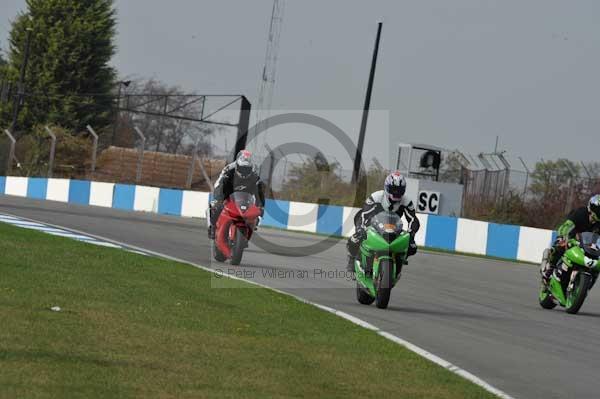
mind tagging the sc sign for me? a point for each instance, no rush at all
(428, 202)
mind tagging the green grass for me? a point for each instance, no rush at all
(137, 326)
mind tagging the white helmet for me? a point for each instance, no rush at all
(394, 186)
(594, 207)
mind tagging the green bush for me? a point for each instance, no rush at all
(71, 156)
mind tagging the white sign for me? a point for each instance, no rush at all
(428, 202)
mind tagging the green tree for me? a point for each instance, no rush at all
(72, 43)
(451, 168)
(316, 181)
(551, 178)
(71, 159)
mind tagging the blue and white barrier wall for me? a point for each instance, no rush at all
(443, 232)
(110, 195)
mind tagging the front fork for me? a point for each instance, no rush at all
(395, 267)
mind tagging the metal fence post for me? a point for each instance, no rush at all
(195, 157)
(572, 180)
(526, 176)
(11, 153)
(507, 168)
(52, 150)
(94, 147)
(138, 174)
(188, 183)
(206, 177)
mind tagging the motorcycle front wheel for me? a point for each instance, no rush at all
(239, 243)
(384, 284)
(577, 294)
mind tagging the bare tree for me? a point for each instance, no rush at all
(162, 112)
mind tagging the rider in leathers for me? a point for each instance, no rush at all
(580, 220)
(391, 198)
(237, 176)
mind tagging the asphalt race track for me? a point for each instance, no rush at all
(479, 314)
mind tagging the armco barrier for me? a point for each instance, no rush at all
(443, 232)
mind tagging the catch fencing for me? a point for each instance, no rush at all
(537, 196)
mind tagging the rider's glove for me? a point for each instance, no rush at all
(360, 234)
(563, 242)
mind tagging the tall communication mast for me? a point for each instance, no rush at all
(267, 81)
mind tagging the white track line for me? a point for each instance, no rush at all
(62, 232)
(355, 320)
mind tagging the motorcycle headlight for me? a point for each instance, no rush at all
(389, 228)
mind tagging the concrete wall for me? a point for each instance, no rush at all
(451, 196)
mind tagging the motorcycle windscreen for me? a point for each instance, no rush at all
(386, 229)
(386, 223)
(242, 200)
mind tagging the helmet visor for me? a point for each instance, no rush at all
(394, 192)
(244, 170)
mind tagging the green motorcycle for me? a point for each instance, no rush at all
(382, 254)
(580, 265)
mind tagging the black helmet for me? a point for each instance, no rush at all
(243, 164)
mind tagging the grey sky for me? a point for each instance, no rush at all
(451, 73)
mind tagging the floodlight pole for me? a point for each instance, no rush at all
(190, 175)
(52, 150)
(11, 154)
(365, 115)
(138, 174)
(94, 147)
(19, 97)
(120, 83)
(243, 125)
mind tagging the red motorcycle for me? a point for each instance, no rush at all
(235, 226)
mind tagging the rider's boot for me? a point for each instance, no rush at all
(549, 260)
(211, 232)
(400, 261)
(399, 271)
(546, 274)
(350, 265)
